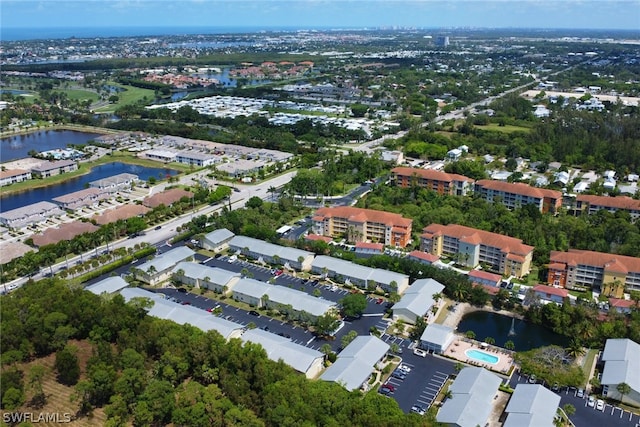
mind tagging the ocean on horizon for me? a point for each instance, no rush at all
(18, 33)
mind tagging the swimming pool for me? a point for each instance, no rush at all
(481, 356)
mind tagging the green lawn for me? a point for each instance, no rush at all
(130, 95)
(80, 94)
(504, 129)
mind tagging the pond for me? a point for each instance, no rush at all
(28, 197)
(527, 335)
(18, 146)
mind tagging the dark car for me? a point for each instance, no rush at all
(186, 303)
(183, 290)
(398, 374)
(158, 227)
(237, 190)
(254, 313)
(385, 390)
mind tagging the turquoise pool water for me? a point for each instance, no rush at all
(481, 356)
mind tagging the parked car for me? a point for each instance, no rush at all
(389, 386)
(254, 313)
(419, 352)
(404, 368)
(398, 374)
(183, 290)
(158, 227)
(600, 405)
(379, 300)
(186, 303)
(278, 272)
(591, 401)
(555, 387)
(580, 393)
(232, 259)
(333, 288)
(418, 410)
(385, 390)
(533, 379)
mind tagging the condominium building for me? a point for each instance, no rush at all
(514, 195)
(48, 169)
(503, 254)
(586, 269)
(440, 182)
(592, 204)
(11, 176)
(362, 225)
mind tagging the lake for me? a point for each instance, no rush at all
(18, 146)
(18, 200)
(527, 335)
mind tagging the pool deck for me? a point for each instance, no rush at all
(460, 345)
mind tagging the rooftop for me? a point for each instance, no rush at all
(618, 202)
(364, 215)
(430, 174)
(167, 197)
(595, 259)
(518, 188)
(505, 243)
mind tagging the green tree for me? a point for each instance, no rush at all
(326, 324)
(624, 389)
(418, 329)
(347, 338)
(353, 305)
(67, 366)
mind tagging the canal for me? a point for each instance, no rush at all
(18, 200)
(526, 335)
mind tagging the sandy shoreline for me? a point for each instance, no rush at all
(463, 308)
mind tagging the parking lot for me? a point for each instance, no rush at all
(422, 384)
(589, 416)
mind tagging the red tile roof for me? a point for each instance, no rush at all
(504, 243)
(367, 245)
(621, 303)
(166, 198)
(619, 202)
(544, 289)
(491, 290)
(429, 174)
(362, 215)
(614, 262)
(12, 172)
(518, 188)
(65, 232)
(485, 275)
(122, 212)
(426, 256)
(314, 237)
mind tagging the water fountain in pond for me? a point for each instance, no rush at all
(512, 331)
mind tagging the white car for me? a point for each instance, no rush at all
(404, 368)
(232, 259)
(333, 288)
(591, 401)
(600, 405)
(419, 352)
(580, 393)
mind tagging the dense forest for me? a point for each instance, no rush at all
(152, 372)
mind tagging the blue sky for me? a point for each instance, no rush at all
(590, 14)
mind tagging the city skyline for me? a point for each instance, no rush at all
(140, 14)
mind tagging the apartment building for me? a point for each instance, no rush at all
(438, 181)
(514, 195)
(592, 204)
(48, 169)
(362, 225)
(586, 269)
(11, 176)
(503, 254)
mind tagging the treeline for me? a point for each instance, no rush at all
(338, 172)
(601, 232)
(250, 131)
(148, 371)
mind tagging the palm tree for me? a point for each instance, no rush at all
(490, 340)
(471, 335)
(509, 345)
(623, 389)
(575, 348)
(325, 349)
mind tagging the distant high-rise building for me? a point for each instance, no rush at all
(442, 41)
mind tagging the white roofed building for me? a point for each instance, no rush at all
(202, 276)
(302, 359)
(217, 240)
(356, 362)
(273, 254)
(621, 365)
(161, 267)
(436, 338)
(418, 300)
(532, 405)
(110, 285)
(473, 393)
